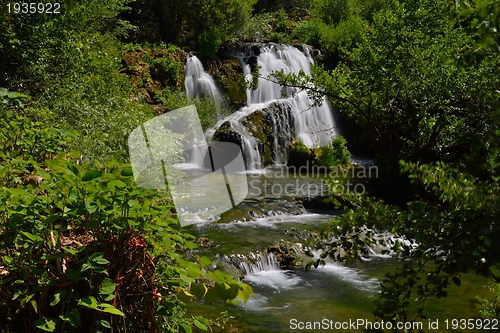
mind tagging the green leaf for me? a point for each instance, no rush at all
(186, 328)
(198, 324)
(127, 172)
(205, 261)
(198, 289)
(91, 206)
(69, 317)
(107, 286)
(244, 292)
(133, 203)
(91, 174)
(114, 311)
(210, 296)
(98, 259)
(186, 278)
(14, 94)
(46, 323)
(116, 183)
(3, 92)
(34, 305)
(8, 259)
(34, 238)
(54, 256)
(58, 295)
(105, 323)
(44, 174)
(88, 302)
(52, 218)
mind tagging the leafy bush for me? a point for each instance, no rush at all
(299, 154)
(309, 32)
(490, 307)
(166, 69)
(83, 249)
(257, 28)
(335, 154)
(209, 42)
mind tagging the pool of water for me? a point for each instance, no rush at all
(329, 296)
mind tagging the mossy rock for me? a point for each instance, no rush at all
(152, 70)
(229, 76)
(226, 134)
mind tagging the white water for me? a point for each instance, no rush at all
(199, 83)
(314, 125)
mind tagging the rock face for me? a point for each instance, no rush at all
(272, 129)
(228, 74)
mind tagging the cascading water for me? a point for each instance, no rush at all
(199, 83)
(290, 113)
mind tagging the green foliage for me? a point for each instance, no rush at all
(166, 69)
(335, 154)
(24, 136)
(299, 154)
(173, 20)
(257, 28)
(209, 42)
(338, 25)
(12, 98)
(309, 32)
(490, 308)
(451, 230)
(206, 107)
(330, 11)
(83, 245)
(413, 86)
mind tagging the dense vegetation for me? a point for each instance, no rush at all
(418, 83)
(83, 249)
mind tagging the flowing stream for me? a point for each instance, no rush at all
(282, 210)
(334, 292)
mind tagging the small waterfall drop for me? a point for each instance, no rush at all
(314, 125)
(199, 83)
(258, 262)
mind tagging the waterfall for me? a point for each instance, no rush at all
(274, 115)
(299, 118)
(258, 262)
(199, 83)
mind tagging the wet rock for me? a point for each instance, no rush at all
(230, 268)
(226, 134)
(204, 242)
(287, 254)
(229, 76)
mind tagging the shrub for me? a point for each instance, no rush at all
(299, 154)
(332, 155)
(209, 42)
(335, 154)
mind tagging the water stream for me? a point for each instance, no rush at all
(283, 207)
(334, 292)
